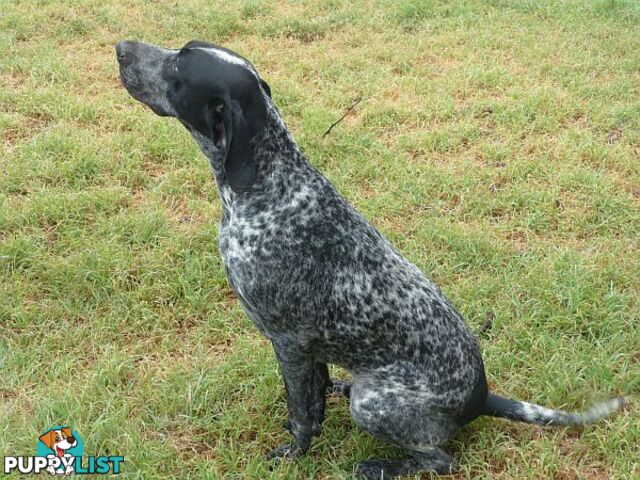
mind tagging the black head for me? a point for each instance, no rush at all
(214, 92)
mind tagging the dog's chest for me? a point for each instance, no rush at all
(242, 242)
(259, 250)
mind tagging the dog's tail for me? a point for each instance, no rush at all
(497, 406)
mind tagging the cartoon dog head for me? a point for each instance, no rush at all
(59, 440)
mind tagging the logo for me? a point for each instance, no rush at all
(60, 451)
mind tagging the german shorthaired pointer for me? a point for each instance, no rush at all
(318, 280)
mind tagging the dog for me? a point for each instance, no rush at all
(318, 280)
(59, 440)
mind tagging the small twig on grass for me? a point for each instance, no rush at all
(488, 323)
(353, 105)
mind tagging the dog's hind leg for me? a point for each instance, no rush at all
(406, 415)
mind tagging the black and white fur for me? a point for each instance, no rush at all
(318, 280)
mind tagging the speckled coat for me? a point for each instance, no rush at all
(318, 280)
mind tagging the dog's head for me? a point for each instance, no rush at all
(214, 92)
(59, 440)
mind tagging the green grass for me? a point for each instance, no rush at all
(497, 145)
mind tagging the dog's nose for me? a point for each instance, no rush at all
(123, 50)
(120, 51)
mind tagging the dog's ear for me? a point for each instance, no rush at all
(231, 133)
(48, 438)
(67, 432)
(265, 87)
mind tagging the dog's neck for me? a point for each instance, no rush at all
(274, 152)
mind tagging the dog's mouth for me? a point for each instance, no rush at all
(133, 85)
(129, 57)
(129, 79)
(155, 110)
(59, 452)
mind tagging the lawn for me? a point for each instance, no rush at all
(497, 145)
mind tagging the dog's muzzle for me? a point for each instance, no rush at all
(124, 53)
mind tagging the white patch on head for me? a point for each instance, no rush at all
(228, 57)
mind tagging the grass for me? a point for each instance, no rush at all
(497, 145)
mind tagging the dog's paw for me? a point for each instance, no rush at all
(339, 388)
(376, 469)
(287, 451)
(287, 425)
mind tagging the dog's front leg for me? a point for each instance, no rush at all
(300, 374)
(321, 385)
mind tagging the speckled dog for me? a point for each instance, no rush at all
(318, 280)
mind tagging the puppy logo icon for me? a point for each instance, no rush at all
(60, 451)
(63, 443)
